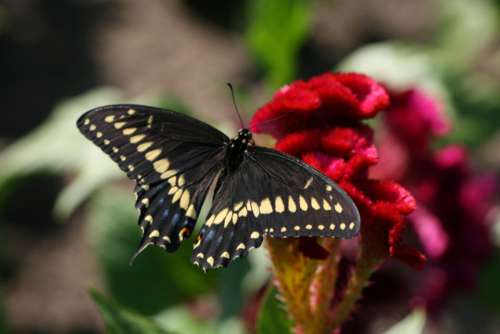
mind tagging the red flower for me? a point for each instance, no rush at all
(320, 121)
(453, 200)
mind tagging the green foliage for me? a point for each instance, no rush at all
(57, 146)
(489, 289)
(119, 320)
(273, 318)
(156, 280)
(275, 34)
(413, 324)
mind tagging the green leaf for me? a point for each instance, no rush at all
(157, 279)
(272, 316)
(119, 320)
(413, 324)
(57, 146)
(276, 31)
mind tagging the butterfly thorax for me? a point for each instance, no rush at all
(237, 147)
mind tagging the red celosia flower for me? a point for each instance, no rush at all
(320, 121)
(452, 200)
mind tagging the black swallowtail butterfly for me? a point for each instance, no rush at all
(258, 191)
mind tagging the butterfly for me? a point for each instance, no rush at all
(177, 160)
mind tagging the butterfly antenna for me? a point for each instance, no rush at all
(234, 104)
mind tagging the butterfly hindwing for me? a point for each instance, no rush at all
(172, 157)
(276, 195)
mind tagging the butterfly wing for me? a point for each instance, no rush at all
(172, 157)
(272, 194)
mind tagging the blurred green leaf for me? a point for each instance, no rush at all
(489, 289)
(157, 279)
(229, 288)
(275, 34)
(466, 28)
(273, 317)
(119, 320)
(180, 320)
(413, 324)
(57, 146)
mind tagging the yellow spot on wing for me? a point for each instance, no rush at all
(342, 226)
(296, 227)
(229, 216)
(302, 203)
(292, 207)
(92, 127)
(351, 226)
(200, 255)
(210, 220)
(137, 138)
(172, 190)
(172, 181)
(210, 261)
(243, 212)
(86, 122)
(326, 205)
(119, 125)
(225, 255)
(148, 218)
(321, 227)
(237, 206)
(161, 166)
(309, 227)
(191, 212)
(241, 246)
(332, 227)
(177, 195)
(220, 216)
(106, 142)
(185, 198)
(308, 183)
(109, 119)
(314, 203)
(265, 206)
(168, 174)
(338, 207)
(152, 155)
(144, 146)
(255, 235)
(181, 180)
(154, 234)
(129, 131)
(131, 112)
(255, 209)
(283, 229)
(145, 201)
(329, 188)
(98, 134)
(279, 206)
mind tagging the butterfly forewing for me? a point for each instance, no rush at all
(276, 195)
(172, 157)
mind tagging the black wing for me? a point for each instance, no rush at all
(273, 194)
(172, 157)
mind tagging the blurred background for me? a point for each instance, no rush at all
(67, 222)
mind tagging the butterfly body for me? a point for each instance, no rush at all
(175, 160)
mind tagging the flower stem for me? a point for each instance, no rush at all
(358, 280)
(306, 285)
